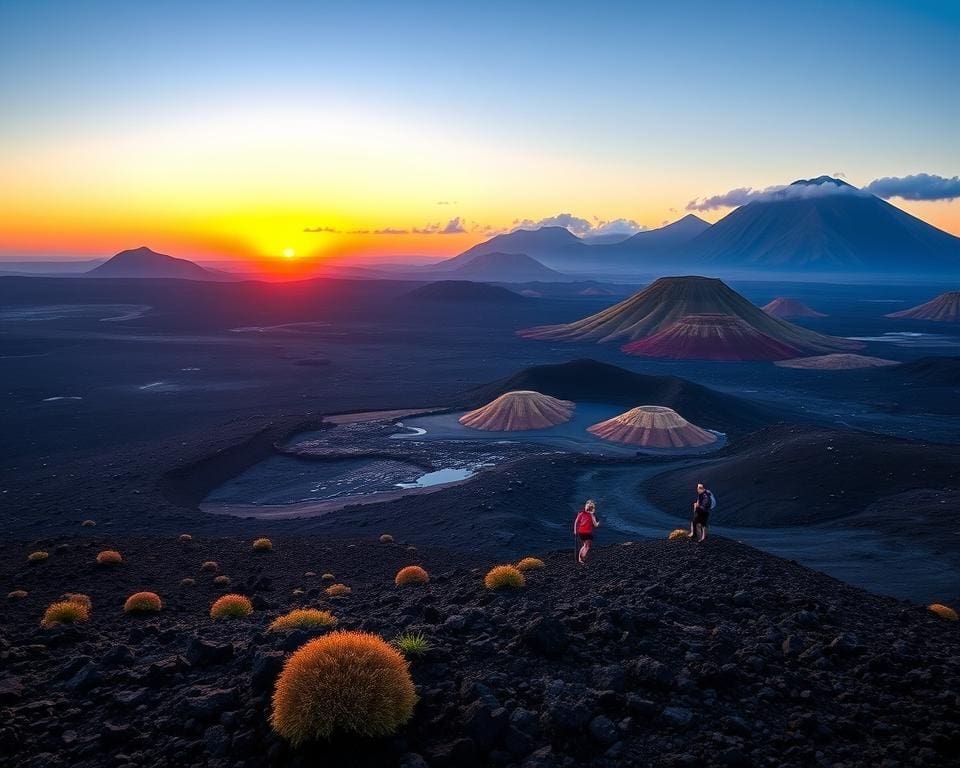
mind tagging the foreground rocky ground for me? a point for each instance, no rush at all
(661, 653)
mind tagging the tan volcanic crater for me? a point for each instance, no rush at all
(519, 410)
(652, 426)
(945, 308)
(786, 308)
(839, 362)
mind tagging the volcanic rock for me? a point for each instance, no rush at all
(519, 410)
(462, 291)
(945, 308)
(787, 308)
(652, 426)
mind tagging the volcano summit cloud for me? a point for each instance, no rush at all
(918, 186)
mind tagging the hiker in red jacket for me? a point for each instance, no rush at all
(583, 529)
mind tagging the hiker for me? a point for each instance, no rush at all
(583, 529)
(701, 513)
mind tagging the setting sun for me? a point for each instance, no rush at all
(289, 253)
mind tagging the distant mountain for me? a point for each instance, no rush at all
(500, 267)
(822, 225)
(552, 246)
(143, 262)
(559, 249)
(463, 291)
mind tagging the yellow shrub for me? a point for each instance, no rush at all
(222, 581)
(88, 523)
(143, 602)
(109, 557)
(347, 682)
(210, 566)
(386, 538)
(503, 577)
(80, 598)
(64, 612)
(262, 545)
(328, 577)
(678, 533)
(412, 574)
(185, 538)
(187, 582)
(530, 564)
(231, 607)
(17, 594)
(944, 611)
(302, 618)
(338, 590)
(37, 557)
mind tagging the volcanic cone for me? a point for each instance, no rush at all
(652, 426)
(711, 337)
(519, 410)
(944, 309)
(660, 305)
(782, 307)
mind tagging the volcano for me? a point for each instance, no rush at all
(823, 225)
(500, 267)
(144, 262)
(462, 291)
(788, 308)
(711, 337)
(662, 305)
(945, 308)
(519, 410)
(652, 426)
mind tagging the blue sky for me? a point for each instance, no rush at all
(683, 98)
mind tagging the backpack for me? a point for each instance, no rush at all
(713, 501)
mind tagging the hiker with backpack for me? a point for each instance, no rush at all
(702, 508)
(583, 527)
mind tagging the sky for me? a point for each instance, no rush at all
(274, 131)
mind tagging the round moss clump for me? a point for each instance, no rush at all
(943, 611)
(530, 564)
(80, 598)
(185, 538)
(679, 533)
(345, 682)
(338, 590)
(187, 582)
(231, 607)
(262, 545)
(109, 557)
(386, 538)
(222, 581)
(37, 557)
(143, 602)
(503, 577)
(302, 618)
(328, 577)
(88, 523)
(17, 594)
(210, 567)
(64, 612)
(412, 574)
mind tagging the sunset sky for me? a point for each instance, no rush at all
(226, 130)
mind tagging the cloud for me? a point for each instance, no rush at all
(447, 202)
(453, 227)
(582, 227)
(918, 186)
(743, 195)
